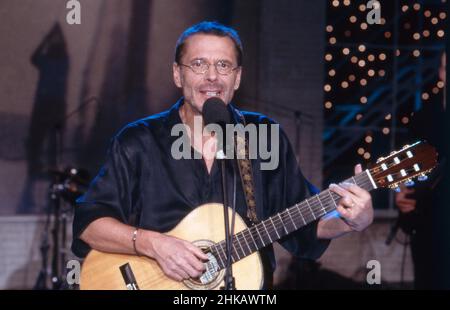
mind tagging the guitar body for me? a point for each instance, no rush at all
(203, 227)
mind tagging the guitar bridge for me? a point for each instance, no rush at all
(128, 277)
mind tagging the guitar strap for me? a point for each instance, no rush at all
(245, 171)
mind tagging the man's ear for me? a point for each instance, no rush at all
(237, 82)
(176, 74)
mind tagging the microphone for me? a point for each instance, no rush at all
(215, 111)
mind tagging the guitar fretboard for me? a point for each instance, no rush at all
(281, 224)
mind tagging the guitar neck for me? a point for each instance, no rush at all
(281, 224)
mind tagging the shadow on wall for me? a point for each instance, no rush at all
(47, 122)
(123, 95)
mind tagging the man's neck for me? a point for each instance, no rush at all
(202, 143)
(188, 114)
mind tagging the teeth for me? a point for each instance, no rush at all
(211, 93)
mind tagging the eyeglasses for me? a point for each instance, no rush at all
(200, 66)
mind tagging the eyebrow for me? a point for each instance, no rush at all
(204, 59)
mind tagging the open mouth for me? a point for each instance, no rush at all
(210, 94)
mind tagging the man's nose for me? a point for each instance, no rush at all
(211, 73)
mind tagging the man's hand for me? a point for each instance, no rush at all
(179, 259)
(355, 207)
(404, 204)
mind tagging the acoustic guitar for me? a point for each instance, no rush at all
(204, 228)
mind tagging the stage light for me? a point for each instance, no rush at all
(440, 84)
(426, 33)
(386, 130)
(425, 96)
(388, 117)
(358, 116)
(361, 63)
(327, 87)
(387, 34)
(366, 155)
(351, 78)
(369, 139)
(335, 3)
(381, 72)
(346, 2)
(416, 36)
(405, 8)
(383, 20)
(371, 72)
(328, 105)
(363, 82)
(371, 57)
(362, 7)
(332, 72)
(427, 13)
(416, 53)
(344, 84)
(332, 40)
(362, 48)
(382, 56)
(397, 52)
(328, 57)
(361, 151)
(405, 120)
(416, 6)
(363, 99)
(435, 90)
(442, 15)
(363, 26)
(329, 28)
(434, 20)
(354, 59)
(440, 33)
(345, 51)
(353, 19)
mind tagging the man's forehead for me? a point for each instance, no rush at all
(204, 45)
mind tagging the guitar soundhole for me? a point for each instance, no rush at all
(212, 277)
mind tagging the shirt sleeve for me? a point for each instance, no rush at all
(109, 195)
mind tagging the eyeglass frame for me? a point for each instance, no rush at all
(208, 65)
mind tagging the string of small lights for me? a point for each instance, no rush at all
(377, 74)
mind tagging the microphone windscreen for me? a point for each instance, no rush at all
(215, 111)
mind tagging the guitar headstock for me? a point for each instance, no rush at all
(416, 160)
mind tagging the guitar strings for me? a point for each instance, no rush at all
(295, 213)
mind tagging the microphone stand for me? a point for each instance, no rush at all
(229, 279)
(54, 208)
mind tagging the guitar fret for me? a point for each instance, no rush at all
(289, 213)
(245, 239)
(301, 213)
(274, 227)
(267, 232)
(332, 199)
(320, 202)
(282, 223)
(234, 251)
(218, 254)
(240, 245)
(251, 235)
(259, 234)
(307, 201)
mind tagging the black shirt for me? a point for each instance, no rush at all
(141, 184)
